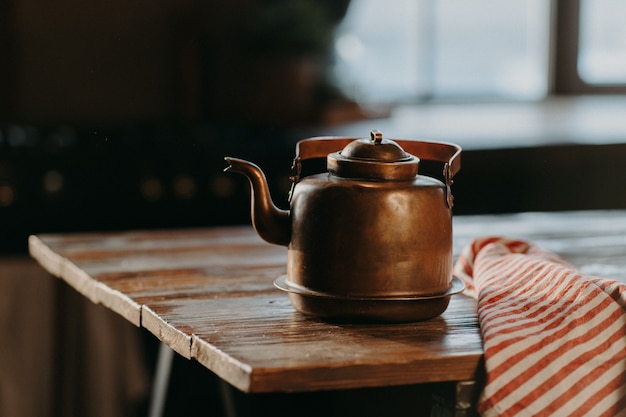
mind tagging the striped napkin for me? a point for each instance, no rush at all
(554, 338)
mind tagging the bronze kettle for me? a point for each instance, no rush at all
(370, 238)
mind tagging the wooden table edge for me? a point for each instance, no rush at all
(95, 291)
(236, 373)
(244, 377)
(179, 341)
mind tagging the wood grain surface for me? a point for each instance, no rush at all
(208, 294)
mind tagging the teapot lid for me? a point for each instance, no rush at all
(373, 158)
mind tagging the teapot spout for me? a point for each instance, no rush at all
(270, 222)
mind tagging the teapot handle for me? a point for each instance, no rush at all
(448, 153)
(319, 147)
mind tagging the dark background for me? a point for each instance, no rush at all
(117, 115)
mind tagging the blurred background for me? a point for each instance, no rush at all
(117, 115)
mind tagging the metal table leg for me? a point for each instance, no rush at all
(161, 380)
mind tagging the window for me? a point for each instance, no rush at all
(602, 42)
(416, 50)
(403, 50)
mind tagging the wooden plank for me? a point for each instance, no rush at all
(123, 271)
(592, 241)
(79, 279)
(208, 293)
(286, 351)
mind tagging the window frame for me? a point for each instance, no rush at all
(564, 76)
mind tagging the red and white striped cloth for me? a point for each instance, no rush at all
(554, 338)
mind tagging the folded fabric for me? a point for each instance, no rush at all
(554, 338)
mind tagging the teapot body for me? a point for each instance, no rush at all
(368, 238)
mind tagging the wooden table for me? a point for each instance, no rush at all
(209, 295)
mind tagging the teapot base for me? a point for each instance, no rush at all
(368, 309)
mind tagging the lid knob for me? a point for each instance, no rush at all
(375, 149)
(376, 136)
(373, 158)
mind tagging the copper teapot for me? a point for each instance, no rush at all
(369, 239)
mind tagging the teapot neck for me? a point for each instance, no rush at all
(342, 166)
